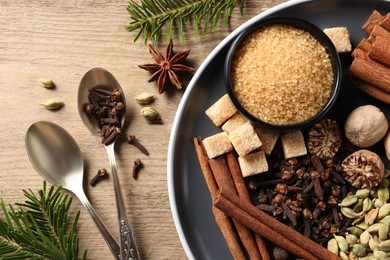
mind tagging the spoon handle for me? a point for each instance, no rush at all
(127, 244)
(110, 240)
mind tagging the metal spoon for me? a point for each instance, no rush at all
(56, 156)
(101, 77)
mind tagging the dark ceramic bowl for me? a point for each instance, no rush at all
(321, 37)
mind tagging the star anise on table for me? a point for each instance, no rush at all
(166, 68)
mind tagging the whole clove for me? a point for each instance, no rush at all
(303, 193)
(136, 167)
(101, 174)
(105, 109)
(132, 140)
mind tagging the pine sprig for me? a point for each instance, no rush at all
(38, 228)
(150, 16)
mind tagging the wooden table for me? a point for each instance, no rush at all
(61, 40)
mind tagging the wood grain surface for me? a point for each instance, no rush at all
(61, 40)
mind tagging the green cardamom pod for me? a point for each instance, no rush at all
(352, 256)
(384, 211)
(333, 246)
(47, 83)
(344, 256)
(385, 219)
(371, 216)
(342, 243)
(53, 104)
(367, 204)
(363, 225)
(144, 98)
(351, 239)
(383, 193)
(380, 255)
(373, 244)
(378, 203)
(349, 213)
(348, 201)
(384, 245)
(150, 114)
(365, 238)
(374, 228)
(362, 193)
(383, 231)
(358, 205)
(355, 231)
(359, 250)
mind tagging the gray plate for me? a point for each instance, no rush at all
(189, 197)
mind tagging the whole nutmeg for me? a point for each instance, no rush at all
(365, 126)
(280, 253)
(386, 142)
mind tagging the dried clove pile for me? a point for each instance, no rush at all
(304, 194)
(105, 110)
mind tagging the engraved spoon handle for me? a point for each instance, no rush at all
(110, 240)
(127, 244)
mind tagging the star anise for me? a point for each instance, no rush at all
(167, 68)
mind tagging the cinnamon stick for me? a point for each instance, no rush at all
(270, 228)
(243, 193)
(223, 221)
(371, 73)
(378, 31)
(372, 91)
(373, 20)
(385, 22)
(364, 45)
(224, 180)
(380, 50)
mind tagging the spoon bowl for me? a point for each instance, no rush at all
(101, 77)
(56, 156)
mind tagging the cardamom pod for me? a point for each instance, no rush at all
(383, 231)
(363, 225)
(384, 211)
(349, 213)
(359, 250)
(380, 255)
(367, 204)
(384, 245)
(144, 98)
(342, 243)
(373, 244)
(344, 256)
(53, 104)
(355, 231)
(352, 256)
(348, 201)
(377, 203)
(371, 216)
(358, 205)
(150, 114)
(333, 246)
(351, 239)
(365, 238)
(383, 194)
(385, 220)
(47, 83)
(362, 193)
(374, 228)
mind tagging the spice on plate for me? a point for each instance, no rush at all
(282, 75)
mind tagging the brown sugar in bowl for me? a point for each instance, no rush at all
(283, 73)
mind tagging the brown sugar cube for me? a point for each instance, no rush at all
(340, 38)
(235, 121)
(217, 144)
(244, 139)
(293, 144)
(253, 163)
(268, 139)
(221, 110)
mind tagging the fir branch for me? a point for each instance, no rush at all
(38, 228)
(150, 16)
